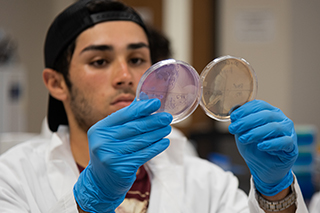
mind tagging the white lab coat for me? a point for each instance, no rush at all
(314, 206)
(38, 176)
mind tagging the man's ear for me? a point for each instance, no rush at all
(55, 83)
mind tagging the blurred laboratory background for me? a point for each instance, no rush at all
(280, 39)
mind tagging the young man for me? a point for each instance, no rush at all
(95, 54)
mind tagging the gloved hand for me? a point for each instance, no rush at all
(119, 144)
(267, 141)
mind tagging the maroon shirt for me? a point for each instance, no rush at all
(138, 194)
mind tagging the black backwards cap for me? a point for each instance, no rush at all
(64, 29)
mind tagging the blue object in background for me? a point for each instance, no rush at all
(221, 160)
(304, 167)
(225, 162)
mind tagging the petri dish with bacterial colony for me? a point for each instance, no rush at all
(224, 84)
(228, 82)
(176, 84)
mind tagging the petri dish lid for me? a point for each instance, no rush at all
(228, 82)
(176, 84)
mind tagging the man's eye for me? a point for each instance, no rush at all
(99, 63)
(136, 61)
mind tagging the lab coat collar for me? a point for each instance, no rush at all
(166, 171)
(62, 169)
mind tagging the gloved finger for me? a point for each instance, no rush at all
(266, 132)
(132, 161)
(273, 146)
(249, 108)
(153, 150)
(140, 126)
(136, 109)
(137, 143)
(255, 120)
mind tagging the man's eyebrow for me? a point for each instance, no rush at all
(137, 46)
(97, 48)
(105, 47)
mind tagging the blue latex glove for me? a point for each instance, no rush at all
(119, 145)
(267, 141)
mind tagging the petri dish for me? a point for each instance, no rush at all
(176, 84)
(228, 82)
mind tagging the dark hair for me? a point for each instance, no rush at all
(62, 63)
(160, 46)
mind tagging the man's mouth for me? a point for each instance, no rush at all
(123, 101)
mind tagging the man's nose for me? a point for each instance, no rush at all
(122, 74)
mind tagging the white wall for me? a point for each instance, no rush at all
(259, 31)
(27, 22)
(176, 25)
(280, 39)
(305, 59)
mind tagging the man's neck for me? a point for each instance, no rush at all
(79, 146)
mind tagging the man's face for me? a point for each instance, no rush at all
(105, 69)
